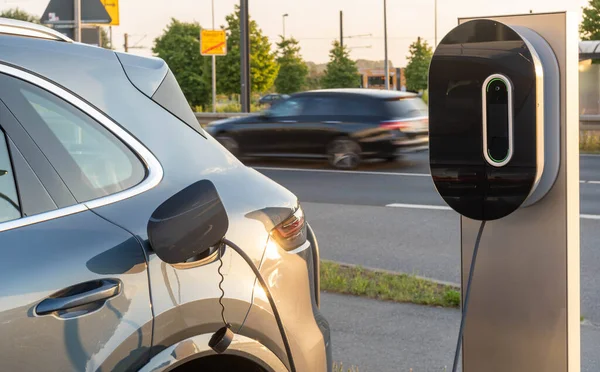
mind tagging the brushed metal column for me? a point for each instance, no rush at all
(524, 314)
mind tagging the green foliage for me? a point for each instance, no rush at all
(19, 14)
(104, 39)
(589, 29)
(340, 368)
(417, 68)
(589, 141)
(263, 67)
(341, 71)
(381, 285)
(292, 68)
(179, 46)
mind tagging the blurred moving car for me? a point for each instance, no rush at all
(269, 99)
(343, 125)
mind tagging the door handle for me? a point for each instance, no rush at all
(289, 121)
(332, 122)
(102, 290)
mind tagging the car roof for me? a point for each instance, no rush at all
(365, 92)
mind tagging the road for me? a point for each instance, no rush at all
(389, 216)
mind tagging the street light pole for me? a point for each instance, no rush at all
(214, 67)
(77, 13)
(245, 56)
(386, 67)
(283, 17)
(435, 25)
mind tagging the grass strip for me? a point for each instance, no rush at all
(358, 281)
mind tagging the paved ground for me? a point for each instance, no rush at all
(381, 336)
(351, 215)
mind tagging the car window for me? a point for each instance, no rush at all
(321, 106)
(406, 107)
(288, 107)
(358, 106)
(9, 201)
(92, 162)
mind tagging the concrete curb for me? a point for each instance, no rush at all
(440, 282)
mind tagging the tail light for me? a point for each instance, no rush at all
(409, 125)
(393, 124)
(291, 233)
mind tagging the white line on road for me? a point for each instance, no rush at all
(365, 172)
(345, 171)
(445, 208)
(419, 206)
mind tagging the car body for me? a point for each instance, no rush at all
(344, 125)
(269, 99)
(92, 141)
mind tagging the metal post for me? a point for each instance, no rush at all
(126, 42)
(77, 13)
(283, 17)
(214, 67)
(110, 36)
(341, 29)
(435, 25)
(387, 69)
(245, 56)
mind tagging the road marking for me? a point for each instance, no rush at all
(420, 206)
(445, 208)
(365, 172)
(344, 171)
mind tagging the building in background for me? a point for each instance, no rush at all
(374, 78)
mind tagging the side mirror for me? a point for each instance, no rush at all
(188, 224)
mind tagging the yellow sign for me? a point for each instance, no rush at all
(112, 8)
(213, 43)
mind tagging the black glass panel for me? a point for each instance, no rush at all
(465, 58)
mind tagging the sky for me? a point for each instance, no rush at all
(315, 23)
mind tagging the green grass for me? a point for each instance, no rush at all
(589, 141)
(386, 286)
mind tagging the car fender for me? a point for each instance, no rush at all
(197, 347)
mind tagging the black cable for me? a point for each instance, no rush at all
(221, 250)
(467, 295)
(264, 286)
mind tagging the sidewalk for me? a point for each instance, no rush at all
(379, 336)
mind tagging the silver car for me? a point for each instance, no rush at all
(93, 145)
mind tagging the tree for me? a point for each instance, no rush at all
(418, 65)
(341, 71)
(179, 46)
(292, 68)
(19, 14)
(263, 67)
(589, 29)
(104, 39)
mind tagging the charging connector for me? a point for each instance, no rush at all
(465, 306)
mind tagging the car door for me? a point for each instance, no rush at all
(315, 127)
(74, 293)
(272, 134)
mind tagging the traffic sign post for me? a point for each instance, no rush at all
(213, 43)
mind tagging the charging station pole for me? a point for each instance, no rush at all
(524, 310)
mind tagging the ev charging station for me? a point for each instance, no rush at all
(504, 153)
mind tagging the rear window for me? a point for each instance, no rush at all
(406, 107)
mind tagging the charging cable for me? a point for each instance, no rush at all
(467, 295)
(219, 335)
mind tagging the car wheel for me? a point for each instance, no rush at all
(230, 144)
(344, 153)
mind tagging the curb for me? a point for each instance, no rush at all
(440, 282)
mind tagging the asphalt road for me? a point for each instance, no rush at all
(389, 216)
